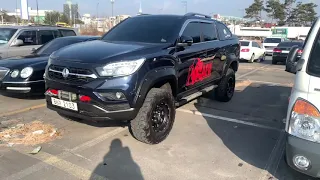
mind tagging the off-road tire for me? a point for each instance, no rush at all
(221, 93)
(274, 61)
(141, 126)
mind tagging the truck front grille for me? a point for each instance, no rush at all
(71, 75)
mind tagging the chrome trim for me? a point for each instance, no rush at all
(19, 88)
(126, 110)
(5, 70)
(27, 82)
(74, 74)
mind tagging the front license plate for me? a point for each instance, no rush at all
(64, 104)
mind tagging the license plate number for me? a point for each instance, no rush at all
(285, 52)
(64, 104)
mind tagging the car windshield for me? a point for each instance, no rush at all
(290, 44)
(6, 34)
(272, 40)
(146, 29)
(314, 61)
(55, 45)
(244, 43)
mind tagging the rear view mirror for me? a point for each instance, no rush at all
(17, 42)
(185, 41)
(293, 63)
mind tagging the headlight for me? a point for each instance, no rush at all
(15, 73)
(26, 72)
(305, 121)
(123, 68)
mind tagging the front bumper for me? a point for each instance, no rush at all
(28, 87)
(296, 146)
(100, 107)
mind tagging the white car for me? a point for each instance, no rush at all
(251, 50)
(270, 43)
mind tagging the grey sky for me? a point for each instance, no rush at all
(131, 7)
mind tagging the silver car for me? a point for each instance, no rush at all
(22, 40)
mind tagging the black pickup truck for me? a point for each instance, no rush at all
(142, 69)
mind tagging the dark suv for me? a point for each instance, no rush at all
(142, 69)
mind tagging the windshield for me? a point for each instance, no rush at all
(290, 44)
(55, 45)
(272, 40)
(147, 29)
(314, 61)
(6, 34)
(244, 43)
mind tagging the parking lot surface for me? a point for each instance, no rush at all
(241, 139)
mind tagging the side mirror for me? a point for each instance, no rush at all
(293, 63)
(17, 42)
(185, 41)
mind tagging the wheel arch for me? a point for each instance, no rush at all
(156, 79)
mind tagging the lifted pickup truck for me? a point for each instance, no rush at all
(142, 69)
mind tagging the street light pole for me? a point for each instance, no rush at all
(112, 3)
(185, 3)
(38, 12)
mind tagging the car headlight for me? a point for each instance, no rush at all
(26, 72)
(14, 73)
(305, 121)
(123, 68)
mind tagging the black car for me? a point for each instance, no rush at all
(25, 74)
(142, 69)
(280, 53)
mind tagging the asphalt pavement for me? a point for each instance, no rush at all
(241, 139)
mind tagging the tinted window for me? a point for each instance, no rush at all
(28, 38)
(244, 43)
(46, 36)
(55, 45)
(66, 32)
(208, 31)
(255, 44)
(193, 30)
(290, 44)
(6, 34)
(224, 32)
(314, 61)
(272, 40)
(148, 29)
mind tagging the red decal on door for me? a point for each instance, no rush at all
(198, 71)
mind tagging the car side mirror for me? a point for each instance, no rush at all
(17, 42)
(293, 62)
(185, 41)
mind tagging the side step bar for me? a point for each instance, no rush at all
(191, 97)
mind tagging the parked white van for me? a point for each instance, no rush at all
(303, 115)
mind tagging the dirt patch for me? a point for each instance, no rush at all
(243, 83)
(32, 133)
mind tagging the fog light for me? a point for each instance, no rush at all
(119, 95)
(301, 162)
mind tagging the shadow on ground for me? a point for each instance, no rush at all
(254, 145)
(117, 164)
(23, 96)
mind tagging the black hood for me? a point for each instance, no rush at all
(101, 51)
(23, 61)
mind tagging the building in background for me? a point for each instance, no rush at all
(71, 10)
(33, 14)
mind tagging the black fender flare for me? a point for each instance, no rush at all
(232, 60)
(151, 79)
